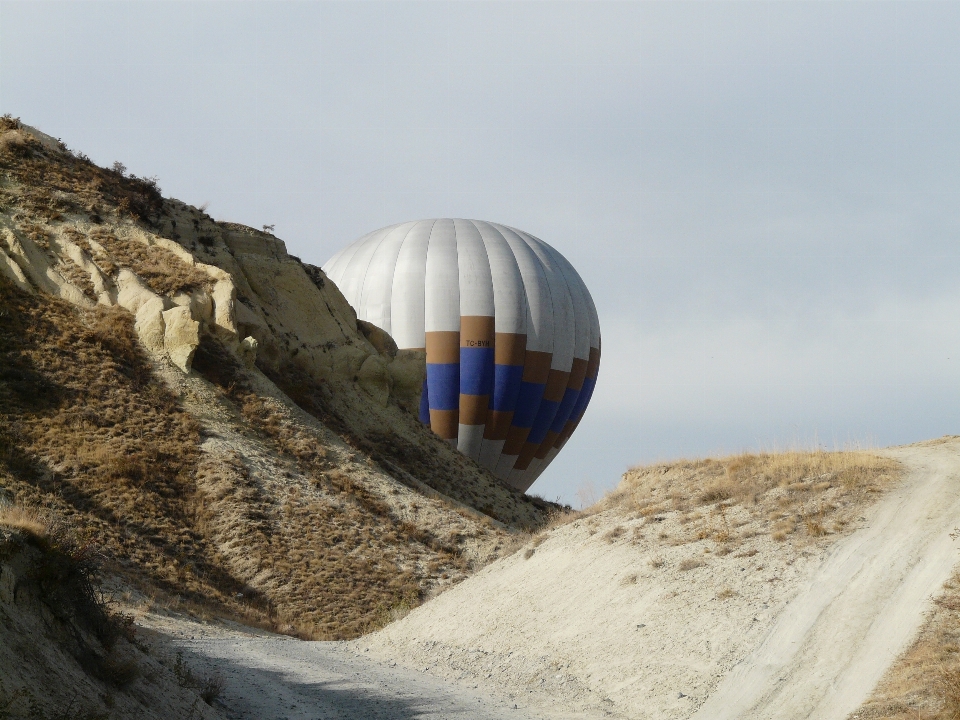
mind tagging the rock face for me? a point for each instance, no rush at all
(240, 286)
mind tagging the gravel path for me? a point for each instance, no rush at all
(269, 677)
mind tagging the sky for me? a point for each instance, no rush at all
(763, 197)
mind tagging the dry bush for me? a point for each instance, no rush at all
(690, 564)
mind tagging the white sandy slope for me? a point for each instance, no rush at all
(589, 626)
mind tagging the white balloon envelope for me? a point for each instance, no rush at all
(510, 331)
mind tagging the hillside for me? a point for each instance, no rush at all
(209, 409)
(773, 586)
(63, 653)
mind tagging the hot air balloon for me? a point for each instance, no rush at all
(510, 331)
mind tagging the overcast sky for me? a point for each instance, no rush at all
(763, 198)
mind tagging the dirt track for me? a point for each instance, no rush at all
(271, 677)
(830, 645)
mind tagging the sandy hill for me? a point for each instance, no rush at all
(209, 410)
(773, 586)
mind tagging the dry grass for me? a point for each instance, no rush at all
(787, 496)
(23, 519)
(925, 681)
(88, 433)
(163, 271)
(87, 430)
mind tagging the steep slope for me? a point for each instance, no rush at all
(148, 357)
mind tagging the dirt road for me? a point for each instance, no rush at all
(830, 645)
(271, 677)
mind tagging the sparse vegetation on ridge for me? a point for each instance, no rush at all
(721, 503)
(788, 495)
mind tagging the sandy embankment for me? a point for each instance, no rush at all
(607, 623)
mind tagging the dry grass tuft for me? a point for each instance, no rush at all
(23, 519)
(614, 534)
(690, 564)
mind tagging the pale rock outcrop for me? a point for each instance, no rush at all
(200, 304)
(379, 338)
(37, 267)
(147, 308)
(150, 325)
(224, 302)
(181, 336)
(65, 247)
(407, 373)
(248, 351)
(10, 270)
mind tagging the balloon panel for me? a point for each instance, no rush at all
(510, 331)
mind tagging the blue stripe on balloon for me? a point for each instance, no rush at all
(443, 382)
(590, 390)
(584, 398)
(506, 387)
(528, 400)
(425, 404)
(563, 412)
(476, 371)
(545, 415)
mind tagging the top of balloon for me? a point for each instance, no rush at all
(510, 331)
